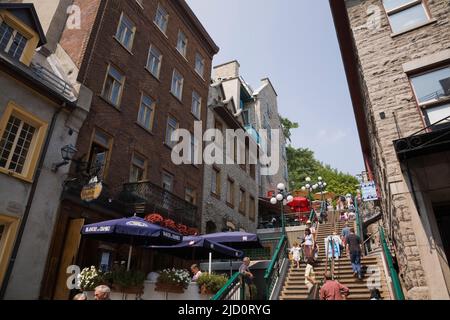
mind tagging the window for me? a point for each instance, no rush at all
(21, 138)
(230, 192)
(194, 149)
(99, 154)
(196, 105)
(404, 15)
(167, 182)
(199, 65)
(161, 19)
(182, 43)
(113, 87)
(146, 114)
(253, 171)
(138, 168)
(246, 117)
(12, 42)
(432, 92)
(154, 61)
(177, 84)
(8, 231)
(252, 209)
(242, 206)
(125, 32)
(215, 181)
(172, 126)
(190, 196)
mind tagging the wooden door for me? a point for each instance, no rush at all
(70, 251)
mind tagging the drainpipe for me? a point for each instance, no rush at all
(29, 203)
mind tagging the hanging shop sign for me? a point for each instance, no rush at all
(369, 191)
(92, 190)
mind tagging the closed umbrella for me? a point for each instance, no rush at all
(133, 231)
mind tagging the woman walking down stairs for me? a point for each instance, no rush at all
(373, 271)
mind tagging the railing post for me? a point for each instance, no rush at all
(398, 292)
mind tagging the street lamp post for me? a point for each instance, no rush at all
(311, 187)
(283, 197)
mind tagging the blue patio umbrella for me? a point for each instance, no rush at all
(198, 247)
(236, 240)
(133, 231)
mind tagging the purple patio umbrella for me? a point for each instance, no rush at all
(133, 231)
(236, 240)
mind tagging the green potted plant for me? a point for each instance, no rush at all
(126, 281)
(210, 284)
(173, 280)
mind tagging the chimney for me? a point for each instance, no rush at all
(227, 70)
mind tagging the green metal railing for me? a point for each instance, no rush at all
(398, 292)
(232, 290)
(273, 270)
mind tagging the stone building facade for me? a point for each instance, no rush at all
(397, 61)
(40, 113)
(222, 211)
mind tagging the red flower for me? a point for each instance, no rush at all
(192, 232)
(181, 228)
(154, 218)
(169, 223)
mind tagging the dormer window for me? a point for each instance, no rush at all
(12, 42)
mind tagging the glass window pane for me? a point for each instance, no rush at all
(115, 74)
(101, 138)
(392, 4)
(432, 86)
(408, 18)
(436, 114)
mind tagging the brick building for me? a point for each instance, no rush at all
(397, 59)
(148, 64)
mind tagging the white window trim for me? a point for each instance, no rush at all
(167, 19)
(404, 7)
(199, 115)
(184, 54)
(180, 98)
(133, 30)
(159, 65)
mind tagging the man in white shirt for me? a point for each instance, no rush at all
(196, 272)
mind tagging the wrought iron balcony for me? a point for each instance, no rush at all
(147, 197)
(52, 80)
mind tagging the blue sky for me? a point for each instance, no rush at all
(294, 43)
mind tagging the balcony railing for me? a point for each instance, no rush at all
(147, 197)
(52, 80)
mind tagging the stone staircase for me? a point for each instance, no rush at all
(373, 272)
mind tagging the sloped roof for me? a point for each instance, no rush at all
(27, 14)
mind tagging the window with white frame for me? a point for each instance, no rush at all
(113, 88)
(154, 61)
(146, 112)
(177, 84)
(199, 64)
(194, 149)
(196, 105)
(125, 32)
(432, 92)
(12, 42)
(182, 43)
(138, 168)
(167, 182)
(404, 15)
(161, 19)
(172, 126)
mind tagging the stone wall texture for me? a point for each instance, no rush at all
(386, 88)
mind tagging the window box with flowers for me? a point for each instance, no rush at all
(173, 281)
(155, 218)
(89, 279)
(210, 284)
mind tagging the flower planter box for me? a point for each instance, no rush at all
(170, 288)
(128, 290)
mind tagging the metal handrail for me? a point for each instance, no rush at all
(398, 292)
(229, 286)
(270, 276)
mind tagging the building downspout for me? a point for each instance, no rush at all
(29, 203)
